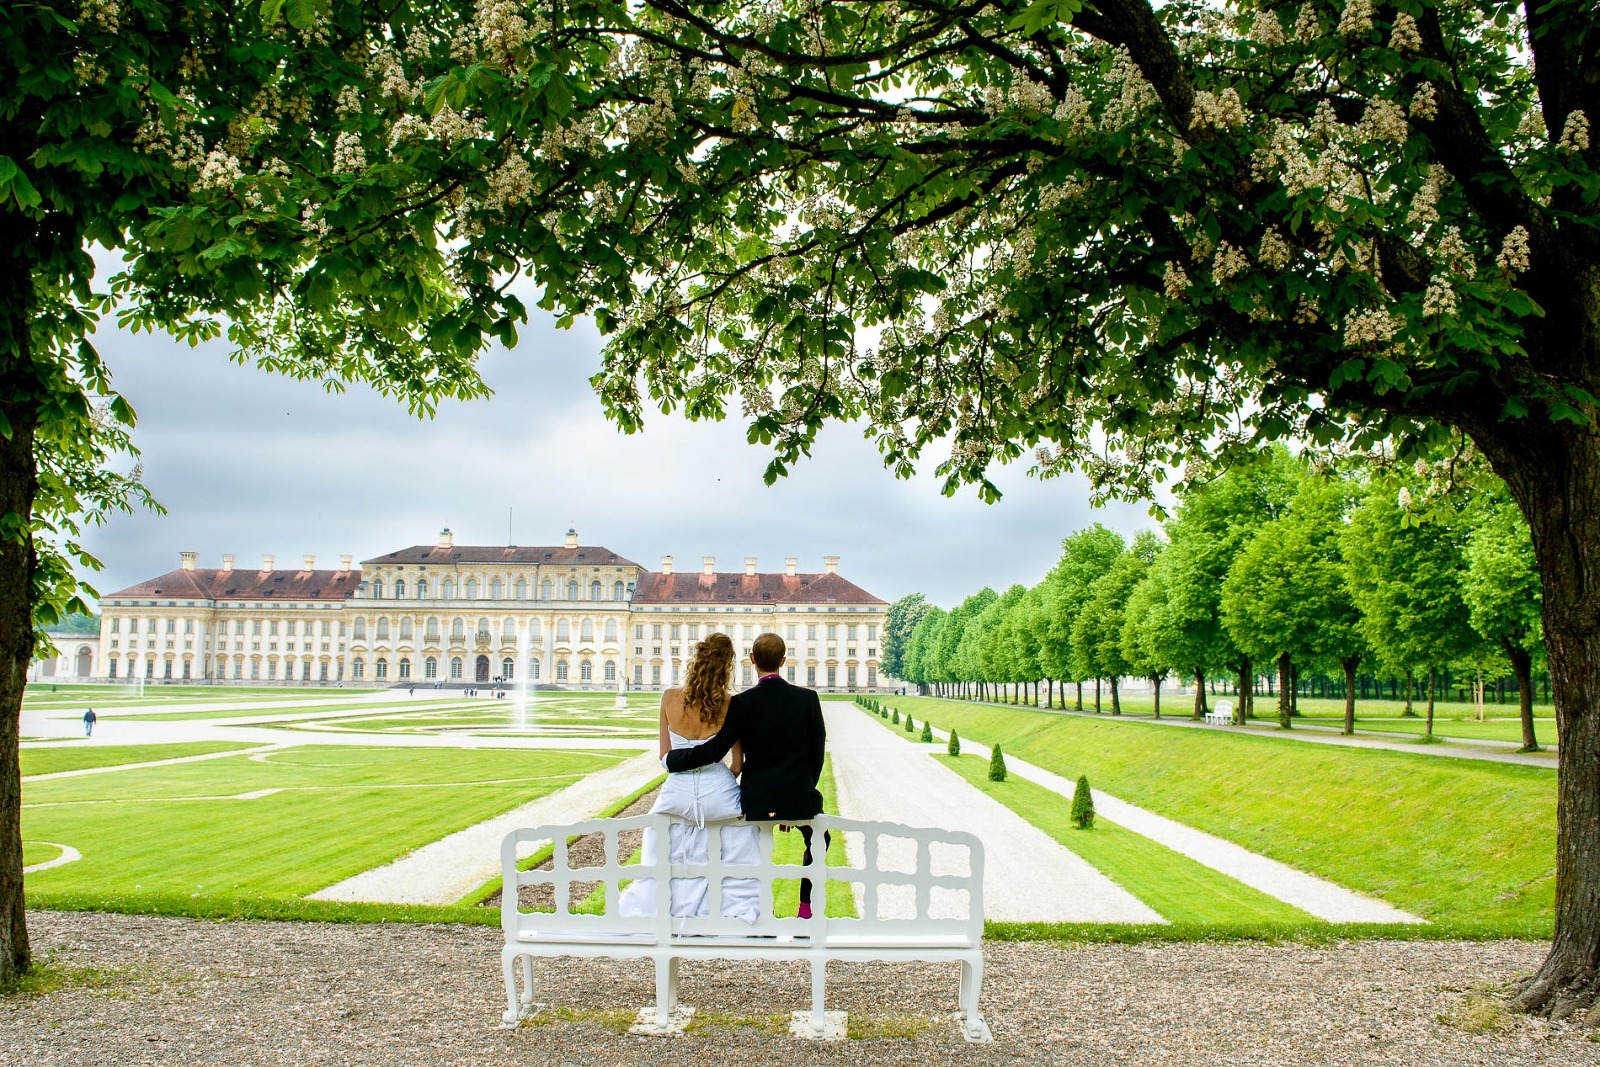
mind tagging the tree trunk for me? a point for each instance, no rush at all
(1553, 472)
(1285, 687)
(1241, 713)
(19, 393)
(1522, 666)
(1116, 704)
(1199, 694)
(1080, 696)
(1411, 684)
(1155, 687)
(1433, 682)
(1349, 664)
(1049, 693)
(1097, 696)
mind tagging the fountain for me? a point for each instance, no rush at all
(522, 678)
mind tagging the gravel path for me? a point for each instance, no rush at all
(444, 871)
(1027, 876)
(182, 991)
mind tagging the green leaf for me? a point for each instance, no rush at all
(558, 96)
(302, 13)
(270, 9)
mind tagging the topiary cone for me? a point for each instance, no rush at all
(997, 765)
(927, 730)
(894, 716)
(955, 744)
(1083, 805)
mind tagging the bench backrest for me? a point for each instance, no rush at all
(912, 881)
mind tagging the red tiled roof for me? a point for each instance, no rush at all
(746, 589)
(246, 585)
(551, 554)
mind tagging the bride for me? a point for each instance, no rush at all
(690, 716)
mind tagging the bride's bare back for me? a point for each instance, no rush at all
(684, 723)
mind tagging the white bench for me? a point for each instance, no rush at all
(918, 894)
(1221, 713)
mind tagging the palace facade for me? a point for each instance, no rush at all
(569, 615)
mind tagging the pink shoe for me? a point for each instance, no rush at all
(805, 911)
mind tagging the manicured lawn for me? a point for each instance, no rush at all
(1491, 729)
(558, 715)
(38, 852)
(256, 708)
(42, 694)
(278, 824)
(87, 754)
(1456, 841)
(1177, 887)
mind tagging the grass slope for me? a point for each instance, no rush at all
(1180, 889)
(1464, 843)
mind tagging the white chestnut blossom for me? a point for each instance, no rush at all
(220, 171)
(1440, 298)
(1384, 120)
(1221, 110)
(1514, 251)
(1405, 37)
(1369, 327)
(1425, 103)
(1174, 281)
(1268, 31)
(348, 155)
(1274, 251)
(1575, 133)
(1356, 19)
(1228, 262)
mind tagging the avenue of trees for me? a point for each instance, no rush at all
(1117, 236)
(1354, 582)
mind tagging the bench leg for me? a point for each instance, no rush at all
(508, 961)
(666, 988)
(819, 974)
(973, 1026)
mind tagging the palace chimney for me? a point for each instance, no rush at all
(310, 562)
(709, 563)
(227, 561)
(345, 561)
(750, 565)
(189, 559)
(446, 538)
(790, 565)
(830, 564)
(572, 537)
(666, 564)
(267, 561)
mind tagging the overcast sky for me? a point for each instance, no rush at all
(251, 463)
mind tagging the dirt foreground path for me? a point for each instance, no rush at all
(180, 991)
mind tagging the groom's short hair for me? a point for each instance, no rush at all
(767, 652)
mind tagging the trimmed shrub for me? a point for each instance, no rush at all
(997, 766)
(894, 717)
(927, 730)
(883, 713)
(954, 748)
(1083, 805)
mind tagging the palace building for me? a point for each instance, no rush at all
(569, 616)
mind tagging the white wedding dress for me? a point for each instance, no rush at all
(705, 794)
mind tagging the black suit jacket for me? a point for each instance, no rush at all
(780, 726)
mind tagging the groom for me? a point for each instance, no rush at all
(781, 728)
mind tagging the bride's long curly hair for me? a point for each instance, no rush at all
(705, 690)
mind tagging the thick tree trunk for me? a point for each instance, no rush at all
(1155, 687)
(19, 389)
(1199, 694)
(1554, 475)
(1080, 696)
(1522, 667)
(1285, 690)
(1116, 702)
(1349, 664)
(1097, 696)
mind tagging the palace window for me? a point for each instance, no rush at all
(533, 670)
(422, 589)
(790, 632)
(522, 589)
(586, 671)
(594, 589)
(323, 672)
(791, 672)
(872, 677)
(572, 589)
(638, 633)
(360, 629)
(611, 631)
(430, 667)
(850, 676)
(305, 671)
(675, 631)
(472, 589)
(455, 668)
(383, 629)
(188, 626)
(535, 630)
(586, 631)
(561, 670)
(850, 632)
(381, 668)
(872, 633)
(116, 627)
(638, 674)
(563, 631)
(833, 676)
(508, 629)
(833, 631)
(432, 630)
(544, 589)
(399, 588)
(458, 630)
(495, 589)
(611, 670)
(655, 674)
(255, 627)
(483, 627)
(811, 677)
(811, 632)
(617, 591)
(358, 669)
(448, 590)
(405, 629)
(508, 668)
(377, 588)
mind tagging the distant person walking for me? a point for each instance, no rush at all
(89, 719)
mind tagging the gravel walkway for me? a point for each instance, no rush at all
(181, 991)
(1027, 876)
